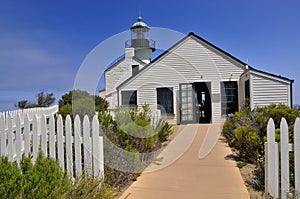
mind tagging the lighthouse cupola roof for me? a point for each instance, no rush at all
(139, 24)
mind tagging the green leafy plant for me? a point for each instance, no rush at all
(248, 143)
(246, 131)
(10, 179)
(43, 179)
(132, 130)
(84, 187)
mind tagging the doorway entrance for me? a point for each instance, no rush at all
(203, 102)
(195, 102)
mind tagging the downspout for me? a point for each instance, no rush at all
(118, 97)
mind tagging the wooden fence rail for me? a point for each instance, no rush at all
(277, 162)
(76, 145)
(31, 112)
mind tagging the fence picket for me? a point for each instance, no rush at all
(2, 136)
(284, 153)
(95, 146)
(272, 168)
(87, 145)
(44, 135)
(52, 137)
(26, 135)
(272, 152)
(27, 131)
(297, 155)
(18, 139)
(10, 138)
(69, 156)
(101, 156)
(60, 141)
(77, 140)
(35, 137)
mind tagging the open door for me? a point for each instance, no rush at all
(187, 101)
(203, 102)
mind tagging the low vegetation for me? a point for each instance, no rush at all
(246, 132)
(130, 130)
(45, 179)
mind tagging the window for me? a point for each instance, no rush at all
(165, 100)
(129, 98)
(229, 97)
(135, 69)
(247, 93)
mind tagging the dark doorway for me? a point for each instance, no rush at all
(202, 102)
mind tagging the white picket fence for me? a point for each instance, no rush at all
(277, 174)
(76, 145)
(32, 111)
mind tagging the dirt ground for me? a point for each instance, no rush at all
(247, 172)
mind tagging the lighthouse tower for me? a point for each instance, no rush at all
(140, 41)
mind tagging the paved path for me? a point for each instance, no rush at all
(191, 168)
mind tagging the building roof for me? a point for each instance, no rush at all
(238, 60)
(139, 24)
(191, 34)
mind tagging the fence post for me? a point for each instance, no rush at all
(87, 145)
(266, 170)
(297, 155)
(96, 147)
(272, 174)
(2, 135)
(69, 153)
(60, 142)
(26, 135)
(284, 153)
(77, 140)
(18, 139)
(44, 135)
(52, 137)
(10, 133)
(35, 136)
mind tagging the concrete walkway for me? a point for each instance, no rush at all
(193, 166)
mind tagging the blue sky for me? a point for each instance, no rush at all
(42, 44)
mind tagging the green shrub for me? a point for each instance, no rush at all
(85, 187)
(164, 130)
(247, 131)
(10, 179)
(228, 131)
(247, 142)
(132, 131)
(44, 179)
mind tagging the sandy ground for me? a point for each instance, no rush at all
(192, 175)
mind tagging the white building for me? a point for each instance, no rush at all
(193, 81)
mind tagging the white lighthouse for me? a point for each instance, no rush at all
(140, 41)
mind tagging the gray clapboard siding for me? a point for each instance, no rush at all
(187, 63)
(267, 91)
(116, 75)
(242, 99)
